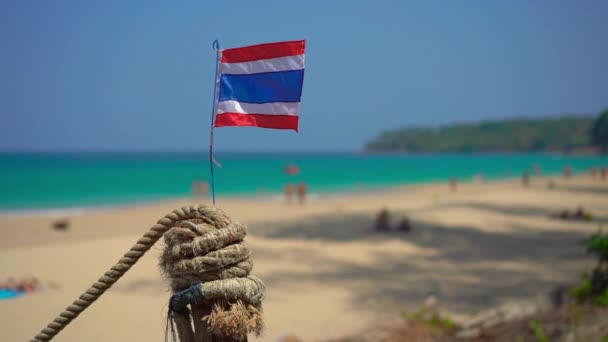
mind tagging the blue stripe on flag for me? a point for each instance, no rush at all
(281, 86)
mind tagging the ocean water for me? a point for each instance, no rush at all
(49, 181)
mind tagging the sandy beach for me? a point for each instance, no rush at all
(328, 273)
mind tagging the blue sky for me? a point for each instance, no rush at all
(135, 75)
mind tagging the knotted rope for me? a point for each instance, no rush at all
(207, 264)
(175, 262)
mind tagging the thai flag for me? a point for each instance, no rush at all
(260, 85)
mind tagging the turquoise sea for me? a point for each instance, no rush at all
(47, 181)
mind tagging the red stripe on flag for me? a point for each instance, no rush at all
(257, 120)
(263, 51)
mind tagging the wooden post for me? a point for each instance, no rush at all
(201, 328)
(183, 327)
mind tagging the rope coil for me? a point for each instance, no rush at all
(194, 254)
(207, 264)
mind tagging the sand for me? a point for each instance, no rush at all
(327, 272)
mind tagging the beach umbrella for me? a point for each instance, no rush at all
(292, 170)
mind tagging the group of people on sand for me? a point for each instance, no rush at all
(602, 173)
(291, 191)
(382, 222)
(299, 190)
(200, 188)
(25, 284)
(567, 172)
(578, 214)
(595, 172)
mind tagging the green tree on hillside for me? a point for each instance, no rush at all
(599, 131)
(564, 134)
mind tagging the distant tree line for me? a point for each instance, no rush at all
(599, 132)
(562, 134)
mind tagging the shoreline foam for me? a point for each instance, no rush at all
(269, 196)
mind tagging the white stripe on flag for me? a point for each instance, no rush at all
(264, 65)
(274, 108)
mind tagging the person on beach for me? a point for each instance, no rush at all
(404, 225)
(567, 171)
(593, 173)
(30, 284)
(200, 189)
(604, 173)
(537, 170)
(302, 190)
(203, 189)
(382, 222)
(9, 284)
(525, 179)
(26, 284)
(288, 191)
(454, 184)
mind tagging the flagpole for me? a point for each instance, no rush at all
(216, 47)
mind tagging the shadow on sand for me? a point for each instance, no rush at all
(466, 268)
(524, 210)
(469, 269)
(589, 189)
